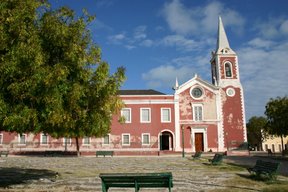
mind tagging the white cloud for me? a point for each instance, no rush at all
(284, 27)
(199, 20)
(180, 42)
(147, 43)
(261, 43)
(184, 68)
(273, 28)
(140, 32)
(263, 75)
(117, 39)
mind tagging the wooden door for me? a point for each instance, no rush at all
(199, 145)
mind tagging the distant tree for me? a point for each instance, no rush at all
(277, 121)
(52, 77)
(255, 131)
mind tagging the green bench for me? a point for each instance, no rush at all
(217, 159)
(197, 155)
(52, 153)
(265, 168)
(136, 180)
(4, 153)
(104, 153)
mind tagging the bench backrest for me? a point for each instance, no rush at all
(267, 166)
(140, 179)
(104, 152)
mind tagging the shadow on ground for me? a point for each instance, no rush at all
(12, 176)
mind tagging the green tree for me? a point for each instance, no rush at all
(255, 131)
(54, 80)
(277, 113)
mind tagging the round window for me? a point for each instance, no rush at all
(230, 92)
(197, 92)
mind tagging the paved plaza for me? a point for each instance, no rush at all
(57, 174)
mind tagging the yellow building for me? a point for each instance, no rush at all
(274, 143)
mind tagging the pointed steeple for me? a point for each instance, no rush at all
(176, 84)
(223, 46)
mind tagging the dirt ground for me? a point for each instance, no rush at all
(66, 174)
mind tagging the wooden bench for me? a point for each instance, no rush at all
(4, 153)
(265, 168)
(105, 153)
(136, 180)
(197, 155)
(217, 159)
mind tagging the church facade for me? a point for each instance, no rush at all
(200, 116)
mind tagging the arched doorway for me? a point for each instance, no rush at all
(166, 141)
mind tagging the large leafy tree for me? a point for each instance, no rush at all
(255, 131)
(53, 79)
(277, 113)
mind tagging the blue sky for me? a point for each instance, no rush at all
(157, 40)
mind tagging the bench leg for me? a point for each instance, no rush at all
(104, 187)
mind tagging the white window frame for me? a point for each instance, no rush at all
(130, 114)
(230, 66)
(144, 134)
(41, 139)
(103, 140)
(69, 142)
(194, 112)
(1, 138)
(141, 119)
(89, 141)
(19, 139)
(162, 113)
(126, 144)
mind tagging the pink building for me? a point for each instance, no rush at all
(200, 115)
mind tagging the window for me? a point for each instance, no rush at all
(280, 148)
(22, 139)
(228, 70)
(198, 112)
(1, 139)
(126, 113)
(125, 139)
(266, 147)
(165, 115)
(273, 148)
(86, 141)
(44, 139)
(106, 140)
(145, 139)
(145, 115)
(67, 141)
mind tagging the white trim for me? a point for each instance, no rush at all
(130, 114)
(69, 141)
(199, 130)
(195, 87)
(243, 115)
(142, 137)
(146, 96)
(133, 102)
(141, 120)
(19, 139)
(172, 147)
(122, 141)
(165, 108)
(231, 69)
(177, 123)
(109, 140)
(86, 144)
(1, 138)
(41, 139)
(202, 111)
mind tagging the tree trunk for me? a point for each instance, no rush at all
(282, 145)
(77, 147)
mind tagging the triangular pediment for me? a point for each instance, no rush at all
(196, 80)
